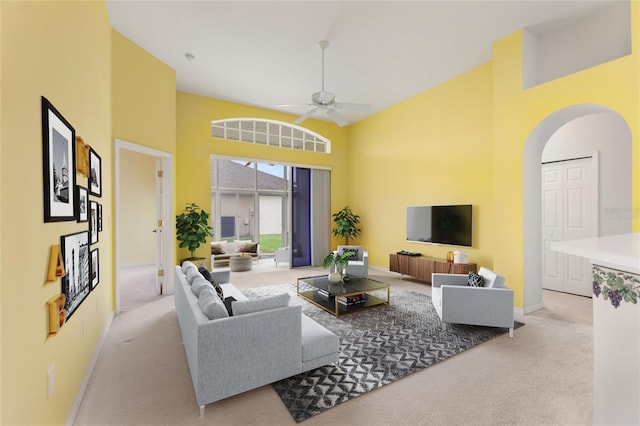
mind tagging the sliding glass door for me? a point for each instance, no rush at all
(237, 212)
(275, 204)
(272, 210)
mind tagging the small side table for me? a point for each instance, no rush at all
(240, 263)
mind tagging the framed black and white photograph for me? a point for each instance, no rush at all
(95, 268)
(58, 165)
(93, 222)
(95, 173)
(82, 203)
(99, 217)
(75, 284)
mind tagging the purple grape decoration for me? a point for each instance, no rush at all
(614, 296)
(596, 289)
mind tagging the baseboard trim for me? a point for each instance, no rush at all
(87, 376)
(533, 308)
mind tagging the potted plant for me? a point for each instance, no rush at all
(341, 261)
(346, 224)
(192, 230)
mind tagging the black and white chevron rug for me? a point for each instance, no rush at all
(378, 346)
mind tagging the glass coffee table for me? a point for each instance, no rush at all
(343, 298)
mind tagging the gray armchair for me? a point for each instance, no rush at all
(359, 264)
(457, 303)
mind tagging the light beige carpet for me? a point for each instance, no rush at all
(542, 376)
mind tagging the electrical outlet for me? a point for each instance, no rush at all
(50, 381)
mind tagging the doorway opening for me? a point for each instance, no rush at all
(569, 212)
(143, 230)
(595, 128)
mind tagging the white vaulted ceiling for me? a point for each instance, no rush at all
(265, 53)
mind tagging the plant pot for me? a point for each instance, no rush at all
(198, 261)
(334, 277)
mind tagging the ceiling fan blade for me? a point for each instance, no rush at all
(339, 120)
(293, 105)
(356, 107)
(305, 116)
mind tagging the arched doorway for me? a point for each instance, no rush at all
(532, 216)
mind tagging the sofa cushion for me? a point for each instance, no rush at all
(211, 305)
(491, 279)
(192, 274)
(232, 291)
(218, 247)
(251, 247)
(187, 265)
(207, 276)
(200, 283)
(255, 305)
(317, 341)
(246, 246)
(475, 280)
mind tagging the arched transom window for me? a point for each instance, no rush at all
(271, 133)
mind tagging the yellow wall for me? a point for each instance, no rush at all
(144, 97)
(463, 142)
(195, 146)
(60, 50)
(418, 153)
(138, 200)
(517, 112)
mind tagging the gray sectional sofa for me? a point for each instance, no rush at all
(265, 340)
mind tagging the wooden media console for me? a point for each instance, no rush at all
(421, 267)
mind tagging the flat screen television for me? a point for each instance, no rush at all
(440, 224)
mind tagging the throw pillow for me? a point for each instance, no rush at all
(271, 302)
(475, 280)
(217, 247)
(251, 247)
(205, 273)
(211, 305)
(207, 276)
(240, 245)
(192, 274)
(227, 304)
(186, 265)
(356, 253)
(198, 284)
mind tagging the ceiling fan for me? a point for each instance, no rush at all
(325, 101)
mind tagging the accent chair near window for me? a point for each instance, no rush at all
(359, 264)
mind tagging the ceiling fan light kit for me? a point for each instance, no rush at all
(324, 101)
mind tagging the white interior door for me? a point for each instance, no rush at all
(552, 228)
(568, 200)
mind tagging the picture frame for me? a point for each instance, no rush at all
(82, 204)
(99, 217)
(58, 165)
(95, 173)
(93, 222)
(75, 284)
(94, 268)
